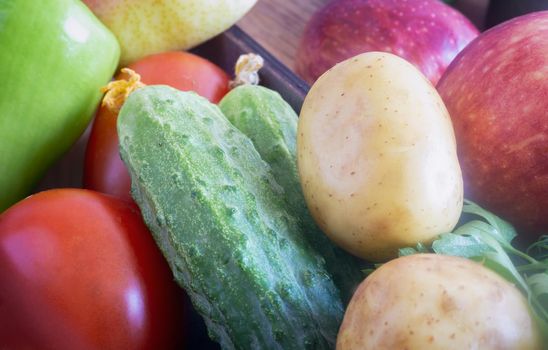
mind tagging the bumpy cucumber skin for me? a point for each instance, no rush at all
(217, 215)
(271, 124)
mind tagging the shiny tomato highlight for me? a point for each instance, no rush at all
(79, 270)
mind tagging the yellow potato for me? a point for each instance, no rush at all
(377, 157)
(430, 301)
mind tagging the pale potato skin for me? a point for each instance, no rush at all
(377, 157)
(430, 301)
(145, 27)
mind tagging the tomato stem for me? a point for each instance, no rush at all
(116, 92)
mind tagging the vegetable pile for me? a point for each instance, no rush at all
(210, 203)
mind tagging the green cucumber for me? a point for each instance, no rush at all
(271, 124)
(216, 213)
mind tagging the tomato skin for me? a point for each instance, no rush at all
(104, 171)
(184, 71)
(79, 270)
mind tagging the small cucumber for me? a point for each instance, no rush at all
(216, 213)
(271, 123)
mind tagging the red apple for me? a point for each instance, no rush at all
(496, 91)
(427, 33)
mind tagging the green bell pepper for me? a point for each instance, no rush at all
(54, 58)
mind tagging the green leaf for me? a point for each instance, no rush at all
(459, 245)
(539, 249)
(501, 227)
(500, 263)
(500, 257)
(420, 248)
(407, 251)
(478, 239)
(539, 300)
(486, 238)
(367, 270)
(539, 286)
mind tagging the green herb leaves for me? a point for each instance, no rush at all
(487, 239)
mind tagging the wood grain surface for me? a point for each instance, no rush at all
(278, 25)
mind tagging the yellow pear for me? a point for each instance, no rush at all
(144, 27)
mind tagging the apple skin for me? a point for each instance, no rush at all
(427, 33)
(145, 27)
(496, 91)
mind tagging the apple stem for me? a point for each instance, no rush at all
(247, 70)
(117, 91)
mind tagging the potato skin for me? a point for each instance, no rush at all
(377, 157)
(429, 301)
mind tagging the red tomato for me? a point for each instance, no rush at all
(79, 270)
(183, 71)
(104, 171)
